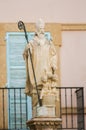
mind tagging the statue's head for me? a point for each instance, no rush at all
(40, 26)
(40, 23)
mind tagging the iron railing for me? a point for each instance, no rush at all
(15, 108)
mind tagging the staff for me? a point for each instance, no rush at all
(22, 26)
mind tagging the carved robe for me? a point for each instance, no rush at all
(44, 58)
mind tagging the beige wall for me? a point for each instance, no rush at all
(59, 11)
(73, 63)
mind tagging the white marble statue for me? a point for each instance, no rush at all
(44, 57)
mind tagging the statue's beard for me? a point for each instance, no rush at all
(41, 35)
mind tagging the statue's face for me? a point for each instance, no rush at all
(41, 30)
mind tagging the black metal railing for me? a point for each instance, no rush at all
(15, 108)
(72, 108)
(80, 108)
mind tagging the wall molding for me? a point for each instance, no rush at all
(74, 27)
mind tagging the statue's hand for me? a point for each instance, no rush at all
(54, 77)
(25, 55)
(44, 79)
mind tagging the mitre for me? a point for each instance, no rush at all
(40, 23)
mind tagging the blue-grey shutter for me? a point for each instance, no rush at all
(16, 65)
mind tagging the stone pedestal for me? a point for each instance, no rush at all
(45, 123)
(45, 117)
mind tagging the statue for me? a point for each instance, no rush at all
(44, 57)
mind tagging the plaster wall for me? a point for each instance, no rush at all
(60, 11)
(73, 63)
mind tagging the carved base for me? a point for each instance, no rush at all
(45, 123)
